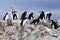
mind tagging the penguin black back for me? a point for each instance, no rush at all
(31, 15)
(49, 15)
(5, 16)
(35, 21)
(42, 15)
(55, 24)
(24, 15)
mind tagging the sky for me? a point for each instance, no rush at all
(35, 6)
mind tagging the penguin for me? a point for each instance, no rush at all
(14, 15)
(5, 16)
(35, 21)
(8, 15)
(30, 16)
(48, 15)
(42, 15)
(54, 24)
(24, 15)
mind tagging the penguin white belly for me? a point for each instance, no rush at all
(31, 17)
(10, 15)
(25, 22)
(17, 16)
(45, 21)
(6, 17)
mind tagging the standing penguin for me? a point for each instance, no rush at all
(31, 16)
(48, 15)
(14, 15)
(8, 15)
(24, 15)
(5, 16)
(42, 15)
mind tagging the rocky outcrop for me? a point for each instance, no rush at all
(30, 32)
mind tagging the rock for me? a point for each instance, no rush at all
(30, 32)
